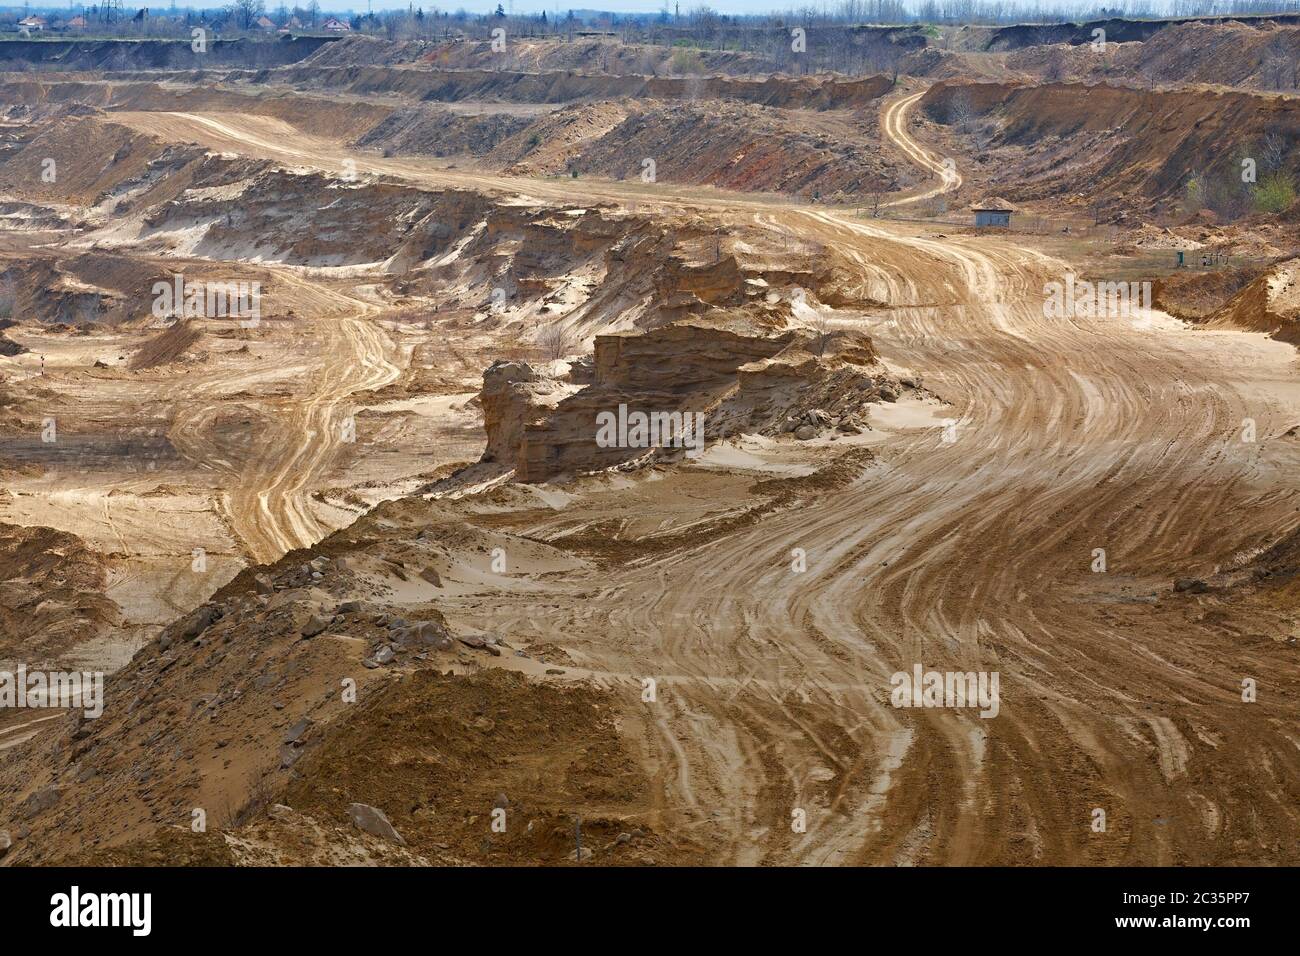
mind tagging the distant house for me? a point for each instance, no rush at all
(293, 24)
(335, 25)
(32, 23)
(77, 23)
(263, 23)
(991, 216)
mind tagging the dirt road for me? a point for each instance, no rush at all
(893, 123)
(977, 555)
(266, 499)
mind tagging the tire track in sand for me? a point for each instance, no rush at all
(266, 501)
(893, 122)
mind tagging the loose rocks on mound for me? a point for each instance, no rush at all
(373, 821)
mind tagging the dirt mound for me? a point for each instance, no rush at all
(554, 143)
(170, 345)
(259, 667)
(731, 146)
(51, 593)
(85, 288)
(434, 131)
(1195, 296)
(438, 754)
(442, 756)
(90, 158)
(1269, 303)
(1259, 55)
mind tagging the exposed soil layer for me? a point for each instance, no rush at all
(72, 55)
(1123, 147)
(444, 752)
(1117, 30)
(51, 593)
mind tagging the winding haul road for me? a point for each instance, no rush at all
(266, 501)
(893, 122)
(974, 554)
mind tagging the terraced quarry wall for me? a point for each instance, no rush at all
(1115, 142)
(153, 54)
(1118, 30)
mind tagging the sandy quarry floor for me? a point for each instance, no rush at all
(152, 466)
(965, 554)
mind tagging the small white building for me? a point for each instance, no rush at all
(996, 218)
(992, 213)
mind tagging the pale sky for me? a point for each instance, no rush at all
(537, 6)
(614, 6)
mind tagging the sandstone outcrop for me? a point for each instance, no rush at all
(735, 376)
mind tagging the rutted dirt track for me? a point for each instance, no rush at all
(268, 505)
(265, 498)
(975, 555)
(968, 554)
(893, 121)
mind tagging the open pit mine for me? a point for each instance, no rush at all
(639, 445)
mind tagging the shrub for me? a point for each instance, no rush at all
(1275, 193)
(686, 61)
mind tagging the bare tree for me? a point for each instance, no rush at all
(963, 118)
(961, 114)
(246, 12)
(876, 194)
(1273, 151)
(556, 342)
(821, 324)
(1054, 67)
(1276, 68)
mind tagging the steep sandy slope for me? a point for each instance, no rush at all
(1270, 303)
(1259, 56)
(1125, 146)
(51, 593)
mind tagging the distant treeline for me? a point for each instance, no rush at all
(699, 22)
